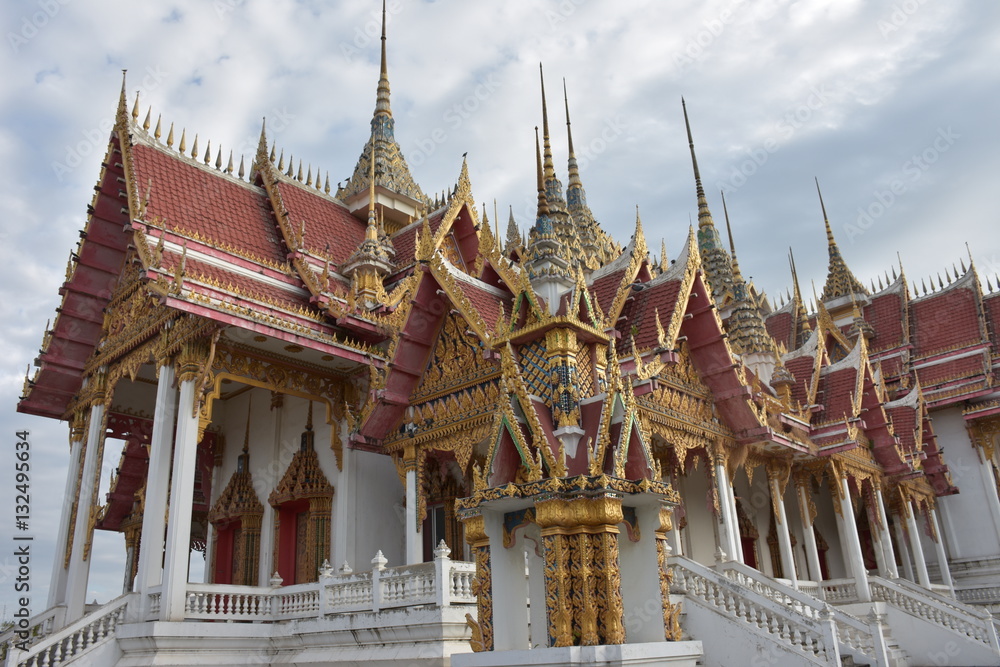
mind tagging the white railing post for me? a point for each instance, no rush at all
(878, 638)
(378, 564)
(442, 575)
(275, 582)
(325, 577)
(828, 630)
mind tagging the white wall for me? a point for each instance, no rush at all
(970, 514)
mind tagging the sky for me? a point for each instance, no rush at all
(892, 105)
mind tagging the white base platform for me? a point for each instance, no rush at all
(681, 654)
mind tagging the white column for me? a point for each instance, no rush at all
(178, 547)
(79, 567)
(809, 535)
(918, 554)
(157, 480)
(510, 587)
(414, 545)
(129, 561)
(784, 541)
(885, 539)
(57, 585)
(942, 553)
(728, 530)
(904, 550)
(737, 537)
(345, 502)
(852, 542)
(990, 486)
(880, 563)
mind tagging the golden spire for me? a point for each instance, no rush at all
(747, 332)
(801, 316)
(840, 281)
(717, 263)
(371, 233)
(704, 215)
(382, 98)
(574, 168)
(550, 170)
(543, 204)
(394, 174)
(553, 188)
(737, 276)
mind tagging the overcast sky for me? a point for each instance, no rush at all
(892, 105)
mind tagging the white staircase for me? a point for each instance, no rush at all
(89, 635)
(757, 620)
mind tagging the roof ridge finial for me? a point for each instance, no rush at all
(123, 99)
(262, 155)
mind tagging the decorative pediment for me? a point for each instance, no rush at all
(239, 499)
(302, 480)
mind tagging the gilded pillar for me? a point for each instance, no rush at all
(580, 546)
(482, 586)
(671, 612)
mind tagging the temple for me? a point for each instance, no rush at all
(396, 436)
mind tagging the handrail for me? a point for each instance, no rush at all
(852, 632)
(76, 638)
(815, 639)
(36, 628)
(932, 607)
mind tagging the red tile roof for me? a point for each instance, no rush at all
(195, 199)
(836, 394)
(885, 315)
(946, 320)
(802, 369)
(640, 313)
(779, 325)
(605, 287)
(327, 222)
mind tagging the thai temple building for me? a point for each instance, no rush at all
(398, 435)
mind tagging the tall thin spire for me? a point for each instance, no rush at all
(543, 204)
(840, 282)
(737, 276)
(394, 174)
(704, 215)
(747, 333)
(574, 167)
(718, 264)
(553, 188)
(801, 316)
(382, 100)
